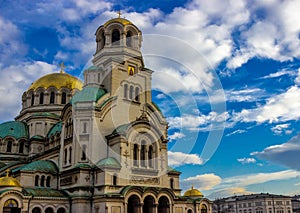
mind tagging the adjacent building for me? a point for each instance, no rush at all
(253, 203)
(96, 146)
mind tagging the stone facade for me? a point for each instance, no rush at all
(98, 146)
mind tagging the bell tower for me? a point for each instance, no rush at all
(117, 57)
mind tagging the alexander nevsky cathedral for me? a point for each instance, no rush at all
(98, 146)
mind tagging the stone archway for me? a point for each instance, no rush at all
(11, 206)
(163, 205)
(149, 205)
(133, 204)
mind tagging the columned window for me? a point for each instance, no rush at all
(41, 98)
(52, 98)
(115, 37)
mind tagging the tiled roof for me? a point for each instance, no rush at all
(15, 129)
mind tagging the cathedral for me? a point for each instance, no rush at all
(98, 146)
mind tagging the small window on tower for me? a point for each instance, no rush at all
(52, 97)
(131, 70)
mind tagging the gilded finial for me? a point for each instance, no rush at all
(62, 67)
(7, 172)
(119, 14)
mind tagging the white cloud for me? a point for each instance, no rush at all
(11, 46)
(281, 128)
(202, 182)
(246, 160)
(279, 108)
(244, 95)
(297, 80)
(198, 122)
(15, 80)
(279, 74)
(180, 158)
(176, 135)
(286, 154)
(251, 179)
(239, 131)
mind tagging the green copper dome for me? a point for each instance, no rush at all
(41, 166)
(88, 94)
(15, 129)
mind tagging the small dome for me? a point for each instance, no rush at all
(122, 21)
(15, 129)
(193, 193)
(9, 181)
(57, 80)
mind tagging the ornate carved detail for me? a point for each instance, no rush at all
(144, 180)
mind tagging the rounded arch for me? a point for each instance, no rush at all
(49, 210)
(203, 208)
(36, 210)
(115, 37)
(61, 210)
(190, 211)
(149, 204)
(133, 203)
(163, 204)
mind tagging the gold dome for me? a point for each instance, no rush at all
(57, 80)
(9, 181)
(122, 21)
(193, 193)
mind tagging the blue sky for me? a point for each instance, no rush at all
(227, 79)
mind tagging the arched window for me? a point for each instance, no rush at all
(32, 99)
(115, 37)
(70, 154)
(135, 154)
(150, 156)
(114, 181)
(61, 210)
(52, 98)
(63, 98)
(83, 154)
(203, 208)
(66, 155)
(41, 98)
(9, 146)
(131, 93)
(126, 91)
(48, 181)
(137, 94)
(36, 180)
(11, 203)
(172, 183)
(43, 181)
(49, 210)
(129, 39)
(102, 41)
(143, 157)
(21, 147)
(36, 210)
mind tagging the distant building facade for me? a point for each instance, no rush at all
(296, 203)
(254, 203)
(98, 146)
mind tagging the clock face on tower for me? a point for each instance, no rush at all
(130, 70)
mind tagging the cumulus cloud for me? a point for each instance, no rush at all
(246, 160)
(180, 158)
(286, 154)
(15, 80)
(202, 182)
(176, 135)
(279, 108)
(279, 129)
(198, 122)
